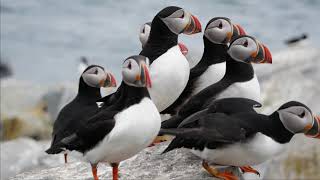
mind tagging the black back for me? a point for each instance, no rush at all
(102, 122)
(213, 54)
(217, 129)
(76, 112)
(235, 72)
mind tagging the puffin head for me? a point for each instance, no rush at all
(144, 36)
(135, 71)
(220, 30)
(144, 33)
(298, 118)
(96, 76)
(248, 49)
(179, 20)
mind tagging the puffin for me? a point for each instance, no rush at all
(239, 79)
(144, 36)
(169, 68)
(212, 66)
(231, 133)
(83, 105)
(117, 133)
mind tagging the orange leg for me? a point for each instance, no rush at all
(65, 158)
(214, 172)
(94, 171)
(159, 139)
(249, 169)
(115, 170)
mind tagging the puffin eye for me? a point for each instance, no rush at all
(302, 114)
(96, 71)
(129, 65)
(245, 44)
(220, 25)
(143, 30)
(182, 16)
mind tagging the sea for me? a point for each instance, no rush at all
(43, 40)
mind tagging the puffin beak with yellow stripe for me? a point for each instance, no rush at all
(248, 49)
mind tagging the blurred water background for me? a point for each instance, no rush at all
(43, 40)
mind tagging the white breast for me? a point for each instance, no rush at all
(169, 74)
(249, 89)
(261, 148)
(213, 74)
(135, 129)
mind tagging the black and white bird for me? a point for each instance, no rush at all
(231, 133)
(119, 132)
(145, 33)
(212, 66)
(239, 79)
(169, 68)
(83, 105)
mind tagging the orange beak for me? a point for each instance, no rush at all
(193, 27)
(267, 54)
(113, 81)
(240, 30)
(146, 75)
(314, 130)
(183, 48)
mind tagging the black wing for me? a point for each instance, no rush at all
(233, 105)
(215, 129)
(88, 135)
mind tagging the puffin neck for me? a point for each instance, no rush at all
(271, 126)
(212, 54)
(160, 40)
(238, 71)
(91, 94)
(131, 95)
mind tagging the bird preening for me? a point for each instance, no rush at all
(212, 106)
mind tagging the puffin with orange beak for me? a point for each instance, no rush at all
(231, 133)
(239, 79)
(212, 66)
(169, 68)
(115, 134)
(83, 105)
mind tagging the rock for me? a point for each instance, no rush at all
(148, 164)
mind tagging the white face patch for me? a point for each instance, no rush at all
(144, 34)
(242, 49)
(296, 118)
(94, 76)
(218, 30)
(130, 70)
(177, 21)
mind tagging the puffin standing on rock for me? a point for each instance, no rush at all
(169, 68)
(230, 133)
(212, 66)
(83, 105)
(114, 135)
(238, 81)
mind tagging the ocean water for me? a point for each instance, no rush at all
(43, 39)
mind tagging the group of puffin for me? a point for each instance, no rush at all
(211, 106)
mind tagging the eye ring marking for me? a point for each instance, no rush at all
(129, 65)
(302, 114)
(220, 25)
